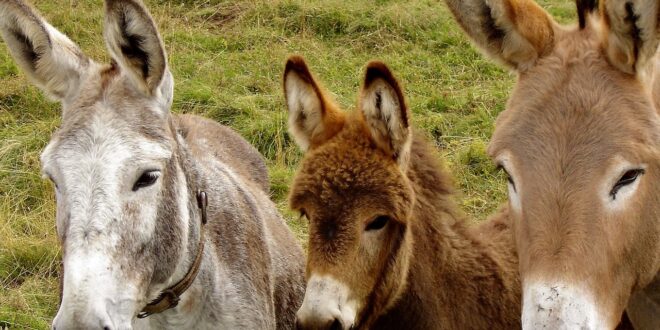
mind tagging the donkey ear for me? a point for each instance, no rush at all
(385, 112)
(52, 61)
(313, 119)
(631, 33)
(514, 32)
(134, 43)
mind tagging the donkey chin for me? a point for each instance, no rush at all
(561, 306)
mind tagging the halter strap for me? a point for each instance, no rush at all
(169, 297)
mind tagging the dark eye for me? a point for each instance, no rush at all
(146, 179)
(378, 223)
(626, 179)
(508, 176)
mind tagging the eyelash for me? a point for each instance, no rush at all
(508, 176)
(628, 178)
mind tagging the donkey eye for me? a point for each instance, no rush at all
(626, 179)
(146, 179)
(378, 223)
(508, 176)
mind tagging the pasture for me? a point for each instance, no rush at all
(227, 59)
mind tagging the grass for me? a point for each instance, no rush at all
(227, 59)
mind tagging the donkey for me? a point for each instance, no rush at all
(388, 247)
(156, 213)
(580, 142)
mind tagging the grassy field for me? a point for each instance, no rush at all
(227, 58)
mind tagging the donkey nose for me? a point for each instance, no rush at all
(88, 322)
(337, 325)
(332, 324)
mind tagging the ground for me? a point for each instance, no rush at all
(227, 59)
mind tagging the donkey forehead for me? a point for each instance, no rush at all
(100, 133)
(571, 138)
(577, 111)
(347, 173)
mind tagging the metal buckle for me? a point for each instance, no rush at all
(169, 295)
(142, 315)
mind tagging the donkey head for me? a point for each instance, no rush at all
(352, 188)
(122, 214)
(580, 141)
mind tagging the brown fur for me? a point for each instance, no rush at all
(431, 270)
(575, 113)
(527, 27)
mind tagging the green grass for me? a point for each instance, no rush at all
(227, 59)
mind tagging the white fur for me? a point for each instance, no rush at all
(93, 184)
(302, 100)
(327, 299)
(109, 302)
(560, 306)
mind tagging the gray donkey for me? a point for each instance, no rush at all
(156, 213)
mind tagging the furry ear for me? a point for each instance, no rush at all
(134, 43)
(385, 112)
(312, 118)
(631, 33)
(52, 61)
(514, 32)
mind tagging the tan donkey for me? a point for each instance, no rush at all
(153, 209)
(388, 248)
(580, 140)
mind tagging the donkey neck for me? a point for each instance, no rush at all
(446, 256)
(189, 182)
(190, 310)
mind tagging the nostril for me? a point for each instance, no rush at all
(336, 325)
(106, 328)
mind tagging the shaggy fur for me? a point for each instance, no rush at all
(426, 268)
(582, 114)
(123, 244)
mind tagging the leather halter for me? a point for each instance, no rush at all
(169, 297)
